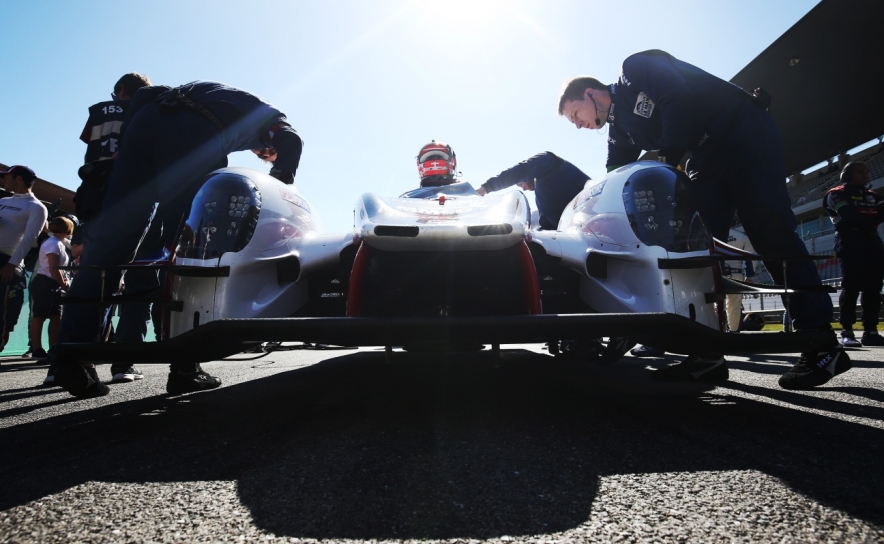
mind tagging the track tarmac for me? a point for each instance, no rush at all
(345, 446)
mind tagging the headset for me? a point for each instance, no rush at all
(598, 121)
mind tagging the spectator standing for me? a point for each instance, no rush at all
(856, 212)
(47, 284)
(22, 217)
(740, 271)
(554, 180)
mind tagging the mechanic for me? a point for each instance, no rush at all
(662, 103)
(172, 138)
(102, 138)
(22, 218)
(856, 212)
(555, 182)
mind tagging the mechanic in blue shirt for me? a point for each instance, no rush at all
(662, 103)
(554, 180)
(171, 138)
(856, 212)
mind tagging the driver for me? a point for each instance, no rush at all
(436, 164)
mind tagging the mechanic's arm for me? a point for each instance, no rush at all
(526, 170)
(656, 76)
(288, 145)
(53, 260)
(620, 152)
(849, 215)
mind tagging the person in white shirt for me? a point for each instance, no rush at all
(22, 217)
(735, 269)
(47, 285)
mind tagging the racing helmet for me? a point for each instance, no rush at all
(436, 164)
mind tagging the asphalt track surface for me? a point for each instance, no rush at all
(343, 446)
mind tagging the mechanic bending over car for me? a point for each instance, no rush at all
(662, 103)
(171, 138)
(555, 182)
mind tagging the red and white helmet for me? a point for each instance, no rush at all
(436, 164)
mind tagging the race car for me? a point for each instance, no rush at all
(445, 268)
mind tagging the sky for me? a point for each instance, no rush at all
(365, 84)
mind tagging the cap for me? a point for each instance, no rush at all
(26, 173)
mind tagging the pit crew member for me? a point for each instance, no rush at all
(555, 182)
(172, 138)
(102, 138)
(662, 103)
(856, 212)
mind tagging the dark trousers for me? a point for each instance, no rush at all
(745, 172)
(163, 159)
(862, 271)
(12, 296)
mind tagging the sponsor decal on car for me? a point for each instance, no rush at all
(292, 198)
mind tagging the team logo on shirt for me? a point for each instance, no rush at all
(644, 106)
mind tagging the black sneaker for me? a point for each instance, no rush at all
(848, 340)
(38, 354)
(125, 374)
(648, 351)
(694, 369)
(181, 382)
(816, 368)
(80, 380)
(872, 339)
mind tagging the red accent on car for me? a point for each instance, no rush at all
(532, 285)
(357, 277)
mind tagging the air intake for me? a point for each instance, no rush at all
(390, 230)
(489, 230)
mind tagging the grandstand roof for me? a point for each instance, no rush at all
(827, 102)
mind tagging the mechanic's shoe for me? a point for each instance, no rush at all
(871, 338)
(38, 354)
(125, 374)
(80, 380)
(647, 351)
(181, 382)
(816, 368)
(694, 369)
(848, 340)
(49, 380)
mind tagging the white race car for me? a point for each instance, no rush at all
(444, 268)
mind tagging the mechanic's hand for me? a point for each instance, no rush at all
(283, 175)
(481, 191)
(7, 272)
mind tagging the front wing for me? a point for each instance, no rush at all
(218, 339)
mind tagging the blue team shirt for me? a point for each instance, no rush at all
(247, 119)
(556, 182)
(662, 103)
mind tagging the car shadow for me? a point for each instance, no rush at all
(440, 446)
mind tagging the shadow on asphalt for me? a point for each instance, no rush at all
(441, 446)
